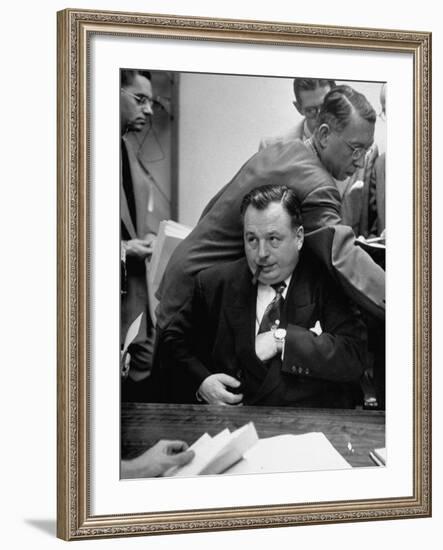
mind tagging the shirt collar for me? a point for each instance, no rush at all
(307, 134)
(265, 288)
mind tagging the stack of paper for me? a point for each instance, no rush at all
(170, 234)
(213, 455)
(241, 452)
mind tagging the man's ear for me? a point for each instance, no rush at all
(300, 233)
(298, 107)
(323, 132)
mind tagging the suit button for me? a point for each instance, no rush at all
(307, 371)
(294, 368)
(300, 370)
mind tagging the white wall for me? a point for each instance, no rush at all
(27, 395)
(222, 119)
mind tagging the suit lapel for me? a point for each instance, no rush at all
(124, 208)
(242, 304)
(143, 190)
(241, 315)
(125, 215)
(299, 299)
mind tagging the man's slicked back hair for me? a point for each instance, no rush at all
(127, 76)
(261, 197)
(339, 105)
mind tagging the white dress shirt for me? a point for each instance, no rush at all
(265, 295)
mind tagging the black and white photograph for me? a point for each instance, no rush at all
(252, 273)
(239, 345)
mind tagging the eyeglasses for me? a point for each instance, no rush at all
(311, 112)
(357, 152)
(140, 99)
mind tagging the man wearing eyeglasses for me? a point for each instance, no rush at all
(136, 105)
(345, 131)
(309, 94)
(137, 233)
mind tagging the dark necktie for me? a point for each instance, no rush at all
(127, 184)
(273, 311)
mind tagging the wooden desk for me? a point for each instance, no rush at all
(144, 424)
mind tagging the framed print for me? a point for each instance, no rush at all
(165, 124)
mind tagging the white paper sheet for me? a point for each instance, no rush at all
(290, 453)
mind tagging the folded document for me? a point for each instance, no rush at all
(213, 455)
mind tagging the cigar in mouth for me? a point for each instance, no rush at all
(256, 274)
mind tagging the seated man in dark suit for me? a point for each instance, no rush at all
(271, 328)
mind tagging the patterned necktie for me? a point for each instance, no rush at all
(273, 311)
(372, 204)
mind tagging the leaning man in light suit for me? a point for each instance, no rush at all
(271, 328)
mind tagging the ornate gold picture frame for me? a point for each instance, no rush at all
(76, 517)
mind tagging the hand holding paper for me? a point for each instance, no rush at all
(213, 455)
(157, 460)
(139, 248)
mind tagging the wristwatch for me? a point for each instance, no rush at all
(280, 335)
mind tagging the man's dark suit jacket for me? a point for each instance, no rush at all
(134, 299)
(215, 332)
(218, 236)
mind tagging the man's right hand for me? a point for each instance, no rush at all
(214, 390)
(157, 460)
(138, 248)
(265, 346)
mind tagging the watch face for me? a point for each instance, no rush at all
(280, 334)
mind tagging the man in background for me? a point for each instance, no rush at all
(137, 235)
(309, 94)
(377, 191)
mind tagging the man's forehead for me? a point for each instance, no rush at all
(359, 130)
(141, 85)
(309, 98)
(273, 216)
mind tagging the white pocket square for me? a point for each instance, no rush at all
(316, 329)
(357, 185)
